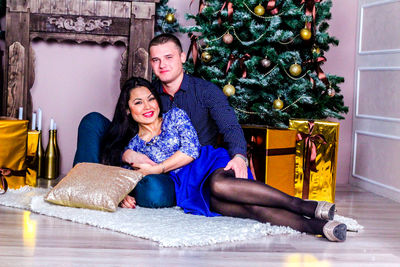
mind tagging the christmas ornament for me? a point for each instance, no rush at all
(265, 62)
(170, 18)
(259, 10)
(206, 57)
(227, 38)
(331, 92)
(315, 50)
(278, 104)
(229, 90)
(295, 69)
(305, 34)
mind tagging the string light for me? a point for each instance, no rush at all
(262, 113)
(269, 17)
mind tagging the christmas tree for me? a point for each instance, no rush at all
(165, 19)
(267, 57)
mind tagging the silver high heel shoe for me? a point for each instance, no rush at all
(325, 210)
(335, 231)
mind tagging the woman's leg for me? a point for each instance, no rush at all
(225, 186)
(275, 216)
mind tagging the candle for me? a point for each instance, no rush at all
(52, 124)
(20, 113)
(39, 119)
(55, 126)
(33, 121)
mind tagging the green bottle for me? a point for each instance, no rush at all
(57, 150)
(50, 158)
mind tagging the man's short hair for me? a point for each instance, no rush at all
(165, 38)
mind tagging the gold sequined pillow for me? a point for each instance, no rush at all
(94, 186)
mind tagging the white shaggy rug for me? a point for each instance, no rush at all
(171, 227)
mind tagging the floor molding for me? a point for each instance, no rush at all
(375, 188)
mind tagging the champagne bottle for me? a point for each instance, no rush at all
(57, 152)
(40, 157)
(50, 158)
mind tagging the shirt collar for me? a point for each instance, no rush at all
(184, 85)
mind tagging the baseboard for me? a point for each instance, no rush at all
(376, 188)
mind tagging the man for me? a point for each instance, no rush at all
(204, 102)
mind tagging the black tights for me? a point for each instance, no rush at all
(244, 198)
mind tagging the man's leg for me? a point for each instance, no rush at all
(90, 132)
(155, 191)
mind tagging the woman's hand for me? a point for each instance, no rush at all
(128, 202)
(147, 169)
(132, 157)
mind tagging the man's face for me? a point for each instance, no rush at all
(166, 61)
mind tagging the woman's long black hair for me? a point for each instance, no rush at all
(123, 128)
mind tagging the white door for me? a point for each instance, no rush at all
(376, 118)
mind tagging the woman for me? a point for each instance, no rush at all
(202, 186)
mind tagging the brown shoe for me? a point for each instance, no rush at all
(325, 210)
(335, 231)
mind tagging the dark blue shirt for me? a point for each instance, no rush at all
(209, 110)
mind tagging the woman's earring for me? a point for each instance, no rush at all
(128, 112)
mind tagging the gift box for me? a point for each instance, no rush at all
(271, 154)
(316, 158)
(31, 158)
(13, 140)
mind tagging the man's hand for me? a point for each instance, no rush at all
(128, 202)
(132, 157)
(238, 165)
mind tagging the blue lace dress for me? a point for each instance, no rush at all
(177, 133)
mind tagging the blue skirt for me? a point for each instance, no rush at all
(192, 191)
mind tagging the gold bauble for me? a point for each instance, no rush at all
(295, 69)
(331, 92)
(229, 90)
(170, 18)
(305, 34)
(316, 50)
(265, 62)
(278, 104)
(259, 10)
(227, 38)
(206, 57)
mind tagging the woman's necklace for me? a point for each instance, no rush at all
(148, 133)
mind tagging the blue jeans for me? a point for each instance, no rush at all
(153, 191)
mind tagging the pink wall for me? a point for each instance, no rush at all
(72, 80)
(341, 62)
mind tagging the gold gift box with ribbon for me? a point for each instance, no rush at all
(271, 154)
(316, 158)
(13, 140)
(18, 157)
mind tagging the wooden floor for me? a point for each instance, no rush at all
(28, 239)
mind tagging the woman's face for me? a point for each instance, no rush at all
(143, 105)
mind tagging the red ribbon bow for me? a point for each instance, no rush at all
(271, 6)
(310, 149)
(232, 59)
(229, 5)
(321, 75)
(193, 49)
(310, 11)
